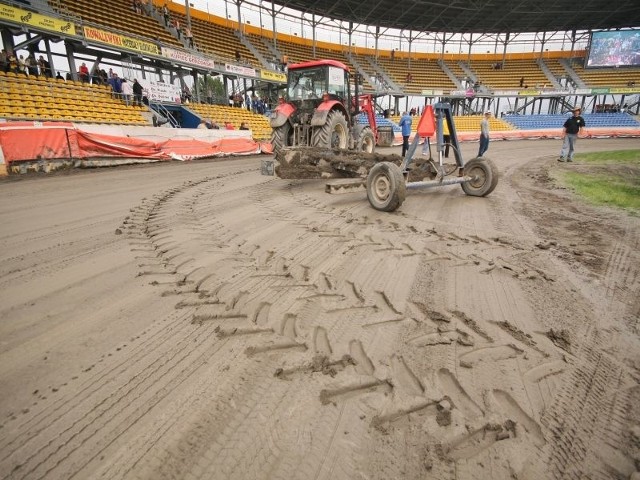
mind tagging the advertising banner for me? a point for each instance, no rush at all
(529, 93)
(189, 58)
(274, 76)
(160, 92)
(507, 93)
(36, 20)
(625, 90)
(239, 70)
(120, 41)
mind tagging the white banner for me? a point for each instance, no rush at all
(432, 93)
(160, 92)
(506, 93)
(187, 57)
(238, 70)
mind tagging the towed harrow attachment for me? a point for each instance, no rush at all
(387, 177)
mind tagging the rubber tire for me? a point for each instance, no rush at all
(487, 177)
(281, 137)
(334, 133)
(386, 188)
(366, 141)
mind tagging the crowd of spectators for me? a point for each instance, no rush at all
(9, 62)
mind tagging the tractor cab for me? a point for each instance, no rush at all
(318, 81)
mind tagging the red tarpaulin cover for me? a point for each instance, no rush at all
(99, 145)
(57, 140)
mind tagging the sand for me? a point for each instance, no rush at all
(201, 321)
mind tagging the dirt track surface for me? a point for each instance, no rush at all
(245, 327)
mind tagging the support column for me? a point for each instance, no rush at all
(188, 13)
(196, 87)
(72, 62)
(504, 50)
(47, 47)
(7, 40)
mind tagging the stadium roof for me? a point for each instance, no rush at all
(478, 16)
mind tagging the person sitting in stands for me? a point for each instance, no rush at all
(229, 126)
(116, 85)
(32, 65)
(176, 25)
(4, 61)
(188, 36)
(212, 125)
(22, 65)
(45, 67)
(244, 126)
(202, 125)
(95, 75)
(83, 73)
(12, 62)
(58, 76)
(186, 94)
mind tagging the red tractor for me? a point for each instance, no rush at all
(320, 110)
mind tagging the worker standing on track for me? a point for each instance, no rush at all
(570, 130)
(405, 124)
(484, 134)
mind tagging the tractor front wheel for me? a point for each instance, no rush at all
(386, 189)
(281, 137)
(366, 141)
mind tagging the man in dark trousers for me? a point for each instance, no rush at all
(484, 134)
(137, 93)
(571, 128)
(405, 124)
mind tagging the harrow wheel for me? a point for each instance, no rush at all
(386, 189)
(485, 177)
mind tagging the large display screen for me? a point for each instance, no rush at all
(614, 49)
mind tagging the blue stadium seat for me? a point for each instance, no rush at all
(534, 122)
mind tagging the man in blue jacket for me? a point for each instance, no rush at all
(405, 124)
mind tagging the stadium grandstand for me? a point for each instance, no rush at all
(64, 61)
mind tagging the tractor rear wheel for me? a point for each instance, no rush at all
(281, 137)
(333, 134)
(386, 189)
(366, 141)
(485, 177)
